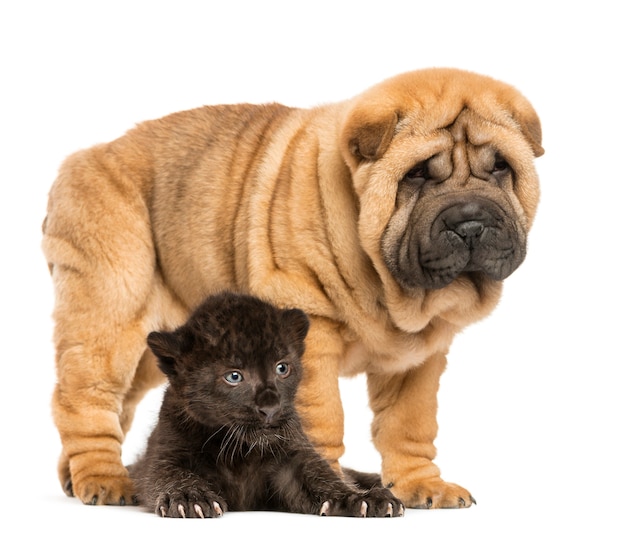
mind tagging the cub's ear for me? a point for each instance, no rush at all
(366, 137)
(297, 322)
(167, 347)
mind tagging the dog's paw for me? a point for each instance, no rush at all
(432, 493)
(112, 490)
(190, 504)
(376, 502)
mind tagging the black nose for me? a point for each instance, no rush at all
(467, 220)
(469, 229)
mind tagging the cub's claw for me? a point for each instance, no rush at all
(192, 504)
(200, 511)
(217, 509)
(370, 504)
(325, 508)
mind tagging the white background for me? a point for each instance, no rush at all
(532, 404)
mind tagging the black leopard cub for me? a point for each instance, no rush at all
(228, 436)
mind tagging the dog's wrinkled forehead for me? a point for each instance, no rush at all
(471, 127)
(463, 129)
(464, 142)
(473, 148)
(464, 125)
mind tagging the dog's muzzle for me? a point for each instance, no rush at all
(475, 235)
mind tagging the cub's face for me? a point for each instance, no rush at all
(442, 163)
(237, 361)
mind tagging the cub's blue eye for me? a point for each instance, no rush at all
(233, 377)
(282, 369)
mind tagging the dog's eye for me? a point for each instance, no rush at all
(500, 166)
(418, 172)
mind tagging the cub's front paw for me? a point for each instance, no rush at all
(190, 503)
(377, 502)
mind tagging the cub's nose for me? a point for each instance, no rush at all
(268, 405)
(269, 413)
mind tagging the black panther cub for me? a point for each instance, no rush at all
(228, 436)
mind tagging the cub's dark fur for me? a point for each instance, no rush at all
(228, 436)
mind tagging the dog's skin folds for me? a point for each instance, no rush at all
(390, 219)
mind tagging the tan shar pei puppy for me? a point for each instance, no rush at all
(391, 219)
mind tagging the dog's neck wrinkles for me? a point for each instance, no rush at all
(396, 354)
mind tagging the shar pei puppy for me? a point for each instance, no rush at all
(391, 219)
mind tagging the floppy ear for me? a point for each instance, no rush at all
(167, 348)
(531, 128)
(529, 123)
(367, 138)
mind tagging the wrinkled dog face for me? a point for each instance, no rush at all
(463, 182)
(455, 212)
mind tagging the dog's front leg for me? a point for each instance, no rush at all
(318, 399)
(404, 430)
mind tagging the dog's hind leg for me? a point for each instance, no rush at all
(167, 313)
(147, 376)
(87, 408)
(98, 243)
